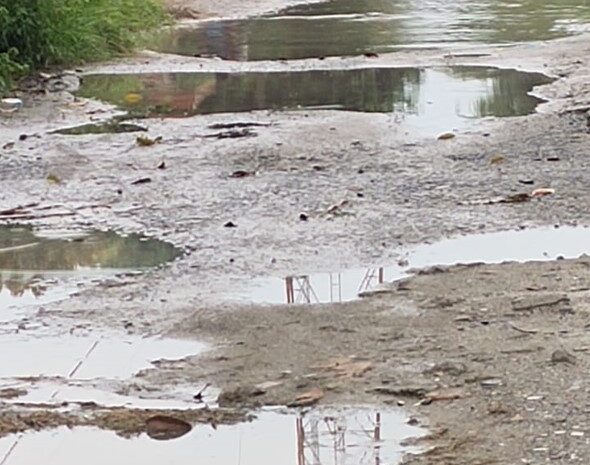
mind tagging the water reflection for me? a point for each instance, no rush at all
(322, 437)
(346, 285)
(34, 267)
(431, 99)
(350, 27)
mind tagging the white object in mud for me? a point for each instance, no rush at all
(11, 104)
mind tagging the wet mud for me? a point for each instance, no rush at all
(490, 359)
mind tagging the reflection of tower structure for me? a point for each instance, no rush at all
(370, 276)
(311, 430)
(299, 289)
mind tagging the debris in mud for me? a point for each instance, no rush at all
(141, 181)
(240, 395)
(11, 393)
(513, 198)
(308, 398)
(53, 179)
(230, 224)
(161, 165)
(346, 367)
(561, 356)
(497, 160)
(303, 216)
(443, 394)
(232, 134)
(144, 141)
(237, 125)
(242, 174)
(10, 105)
(163, 428)
(108, 127)
(446, 136)
(418, 391)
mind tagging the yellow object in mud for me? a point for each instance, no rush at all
(133, 98)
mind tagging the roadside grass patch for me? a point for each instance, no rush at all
(41, 33)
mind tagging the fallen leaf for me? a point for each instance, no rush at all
(53, 179)
(308, 398)
(145, 141)
(497, 159)
(163, 428)
(133, 98)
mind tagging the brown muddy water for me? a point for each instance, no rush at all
(38, 267)
(346, 285)
(359, 436)
(429, 100)
(349, 27)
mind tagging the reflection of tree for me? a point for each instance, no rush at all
(180, 94)
(18, 285)
(508, 90)
(95, 250)
(338, 27)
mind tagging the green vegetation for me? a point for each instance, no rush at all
(41, 33)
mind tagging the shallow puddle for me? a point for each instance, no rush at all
(349, 27)
(38, 267)
(431, 99)
(87, 357)
(528, 245)
(320, 437)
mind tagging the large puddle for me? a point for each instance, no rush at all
(349, 27)
(320, 437)
(520, 246)
(430, 99)
(38, 267)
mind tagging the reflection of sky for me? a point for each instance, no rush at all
(269, 440)
(521, 246)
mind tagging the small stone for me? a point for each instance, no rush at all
(10, 105)
(230, 224)
(561, 356)
(303, 216)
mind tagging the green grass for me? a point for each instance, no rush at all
(41, 33)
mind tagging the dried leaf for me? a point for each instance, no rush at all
(497, 159)
(145, 141)
(308, 398)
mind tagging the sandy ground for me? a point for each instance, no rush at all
(492, 358)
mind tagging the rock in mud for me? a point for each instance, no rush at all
(561, 356)
(163, 428)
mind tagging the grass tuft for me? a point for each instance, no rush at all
(40, 33)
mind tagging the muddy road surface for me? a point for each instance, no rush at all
(392, 239)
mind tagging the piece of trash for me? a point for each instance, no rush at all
(446, 136)
(145, 141)
(308, 398)
(141, 181)
(53, 179)
(10, 105)
(133, 98)
(497, 159)
(163, 428)
(542, 192)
